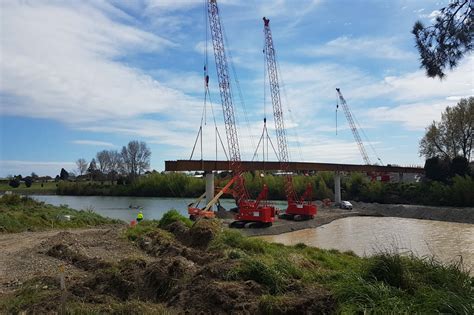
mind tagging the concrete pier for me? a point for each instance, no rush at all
(209, 186)
(337, 188)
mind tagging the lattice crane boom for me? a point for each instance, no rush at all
(297, 209)
(224, 83)
(355, 132)
(272, 70)
(225, 90)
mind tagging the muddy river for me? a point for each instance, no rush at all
(368, 235)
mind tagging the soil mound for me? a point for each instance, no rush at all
(75, 257)
(176, 268)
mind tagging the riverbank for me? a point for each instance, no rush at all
(202, 269)
(448, 214)
(18, 214)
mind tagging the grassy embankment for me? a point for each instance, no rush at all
(18, 214)
(46, 188)
(288, 279)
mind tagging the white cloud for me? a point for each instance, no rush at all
(415, 86)
(94, 143)
(366, 47)
(61, 64)
(415, 116)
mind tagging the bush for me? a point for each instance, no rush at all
(14, 182)
(28, 181)
(173, 216)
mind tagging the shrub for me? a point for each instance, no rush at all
(14, 182)
(173, 216)
(28, 181)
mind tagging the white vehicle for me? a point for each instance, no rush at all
(346, 205)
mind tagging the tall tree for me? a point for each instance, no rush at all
(103, 159)
(81, 166)
(115, 161)
(444, 43)
(453, 135)
(136, 157)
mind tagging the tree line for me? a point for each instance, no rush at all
(130, 162)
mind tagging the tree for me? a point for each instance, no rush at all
(136, 158)
(14, 182)
(437, 169)
(34, 176)
(448, 40)
(92, 166)
(81, 166)
(459, 166)
(103, 158)
(116, 161)
(63, 175)
(28, 181)
(453, 135)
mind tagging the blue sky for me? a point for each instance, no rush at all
(77, 77)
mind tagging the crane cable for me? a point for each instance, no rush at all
(298, 143)
(239, 90)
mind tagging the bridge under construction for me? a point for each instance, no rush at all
(209, 167)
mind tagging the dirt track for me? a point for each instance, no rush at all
(23, 254)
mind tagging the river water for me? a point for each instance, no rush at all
(369, 235)
(126, 208)
(363, 235)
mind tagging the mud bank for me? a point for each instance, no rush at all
(448, 214)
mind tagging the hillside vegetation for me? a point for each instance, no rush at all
(18, 214)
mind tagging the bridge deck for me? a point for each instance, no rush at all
(209, 165)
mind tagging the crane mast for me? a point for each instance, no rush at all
(272, 70)
(355, 132)
(225, 90)
(297, 209)
(251, 212)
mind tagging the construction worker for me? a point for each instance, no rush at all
(139, 216)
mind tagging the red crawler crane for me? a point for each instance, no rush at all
(256, 212)
(298, 208)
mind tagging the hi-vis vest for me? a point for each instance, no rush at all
(140, 216)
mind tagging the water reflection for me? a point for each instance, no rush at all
(367, 235)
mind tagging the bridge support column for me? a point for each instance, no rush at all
(209, 186)
(337, 188)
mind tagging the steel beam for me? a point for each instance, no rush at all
(209, 166)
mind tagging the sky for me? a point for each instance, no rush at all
(78, 77)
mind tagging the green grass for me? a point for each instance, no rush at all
(141, 229)
(18, 214)
(173, 216)
(147, 226)
(36, 188)
(380, 284)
